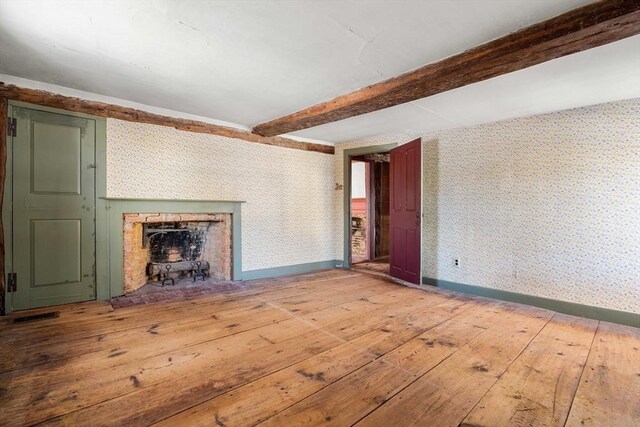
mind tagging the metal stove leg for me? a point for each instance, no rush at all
(167, 278)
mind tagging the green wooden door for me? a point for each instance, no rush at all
(53, 221)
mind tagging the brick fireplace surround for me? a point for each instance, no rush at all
(217, 250)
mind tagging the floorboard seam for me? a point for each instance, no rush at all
(509, 365)
(584, 366)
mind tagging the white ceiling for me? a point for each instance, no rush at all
(246, 62)
(604, 74)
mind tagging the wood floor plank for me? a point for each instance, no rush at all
(265, 397)
(609, 390)
(539, 386)
(96, 311)
(185, 363)
(126, 319)
(85, 340)
(257, 311)
(162, 383)
(447, 393)
(255, 322)
(240, 366)
(354, 396)
(333, 347)
(84, 310)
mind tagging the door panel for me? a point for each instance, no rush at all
(405, 218)
(55, 159)
(56, 252)
(397, 241)
(53, 224)
(412, 263)
(412, 186)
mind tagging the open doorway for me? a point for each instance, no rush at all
(370, 212)
(391, 227)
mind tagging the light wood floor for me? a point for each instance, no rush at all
(333, 347)
(380, 265)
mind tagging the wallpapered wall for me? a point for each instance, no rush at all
(288, 216)
(547, 205)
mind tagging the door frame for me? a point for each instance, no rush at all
(346, 187)
(101, 225)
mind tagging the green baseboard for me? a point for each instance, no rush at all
(287, 270)
(588, 311)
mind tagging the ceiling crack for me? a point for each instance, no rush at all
(361, 52)
(189, 26)
(365, 43)
(435, 113)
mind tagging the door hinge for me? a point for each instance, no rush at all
(12, 125)
(12, 282)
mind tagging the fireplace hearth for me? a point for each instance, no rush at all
(163, 248)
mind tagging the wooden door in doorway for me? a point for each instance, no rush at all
(406, 212)
(53, 202)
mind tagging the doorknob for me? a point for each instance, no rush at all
(418, 218)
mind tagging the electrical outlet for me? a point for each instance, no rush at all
(456, 262)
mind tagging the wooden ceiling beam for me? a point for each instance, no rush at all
(583, 28)
(101, 109)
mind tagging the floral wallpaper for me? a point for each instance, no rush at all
(288, 216)
(547, 205)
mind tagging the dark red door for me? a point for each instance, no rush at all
(406, 179)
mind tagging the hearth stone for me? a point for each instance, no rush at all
(184, 289)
